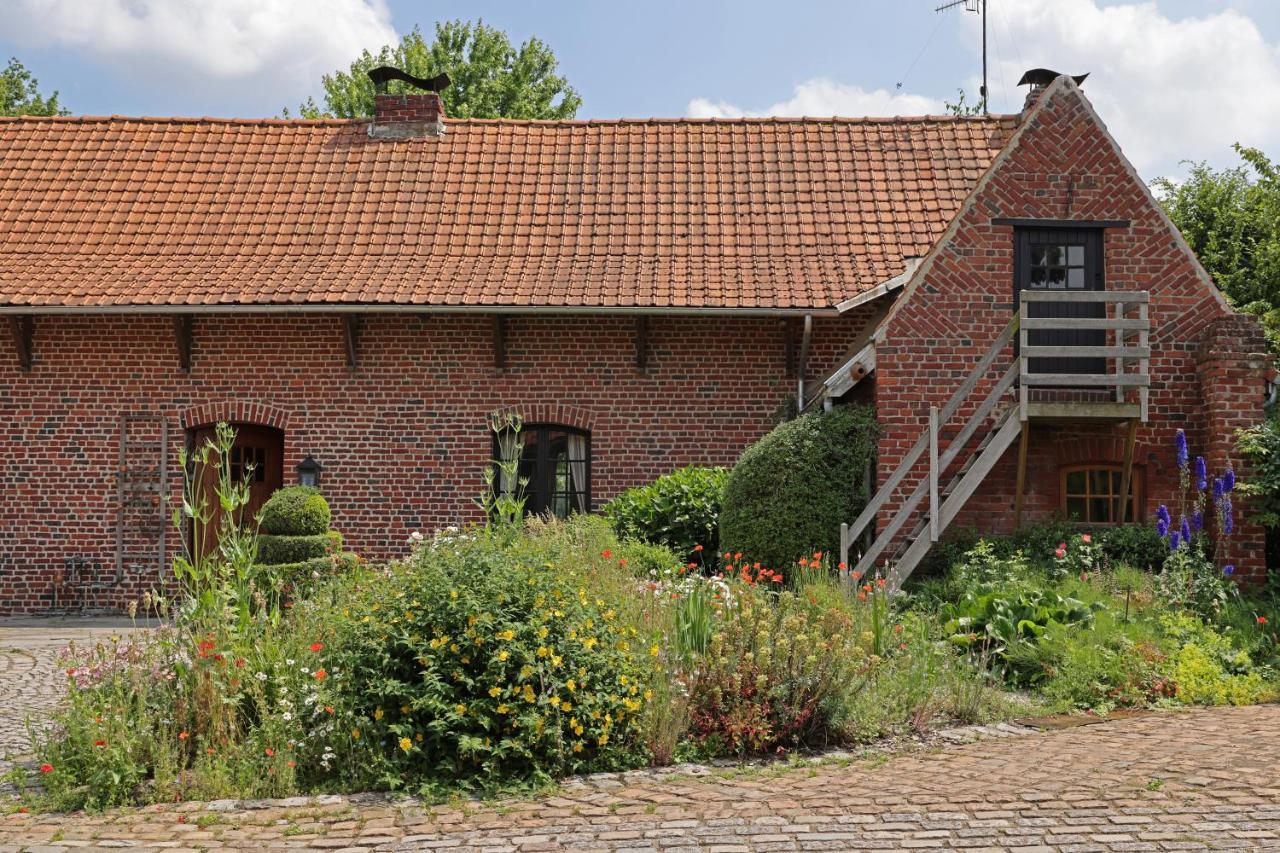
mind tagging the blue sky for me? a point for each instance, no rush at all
(1173, 79)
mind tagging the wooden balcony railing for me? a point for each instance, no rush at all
(1127, 353)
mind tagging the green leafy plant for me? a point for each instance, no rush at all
(790, 491)
(680, 510)
(1005, 625)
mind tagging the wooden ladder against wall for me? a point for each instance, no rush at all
(944, 500)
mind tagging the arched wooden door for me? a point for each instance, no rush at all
(258, 455)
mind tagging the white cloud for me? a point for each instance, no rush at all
(1168, 89)
(823, 97)
(291, 41)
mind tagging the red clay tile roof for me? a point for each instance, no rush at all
(717, 215)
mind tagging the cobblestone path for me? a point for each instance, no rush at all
(1191, 780)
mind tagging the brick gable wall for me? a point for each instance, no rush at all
(1062, 167)
(402, 438)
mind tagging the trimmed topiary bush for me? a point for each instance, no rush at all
(295, 544)
(791, 490)
(295, 511)
(274, 549)
(680, 510)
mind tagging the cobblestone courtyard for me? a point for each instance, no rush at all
(1203, 779)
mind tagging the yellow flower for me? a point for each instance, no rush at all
(542, 632)
(565, 705)
(460, 708)
(404, 709)
(495, 692)
(453, 593)
(556, 660)
(503, 708)
(622, 679)
(589, 643)
(506, 635)
(543, 651)
(602, 740)
(653, 650)
(577, 746)
(406, 744)
(503, 655)
(571, 684)
(528, 693)
(355, 733)
(378, 714)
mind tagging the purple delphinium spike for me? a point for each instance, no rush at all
(1162, 521)
(1186, 530)
(1197, 519)
(1229, 480)
(1173, 541)
(1217, 488)
(1228, 519)
(1180, 446)
(1202, 474)
(1228, 569)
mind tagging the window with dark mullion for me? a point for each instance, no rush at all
(554, 468)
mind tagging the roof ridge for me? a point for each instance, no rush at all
(340, 122)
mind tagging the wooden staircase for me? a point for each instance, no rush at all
(946, 499)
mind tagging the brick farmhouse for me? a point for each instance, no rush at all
(357, 297)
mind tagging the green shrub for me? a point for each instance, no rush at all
(295, 511)
(680, 510)
(791, 490)
(275, 549)
(489, 661)
(1209, 669)
(303, 574)
(1137, 545)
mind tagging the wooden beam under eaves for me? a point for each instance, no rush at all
(23, 329)
(352, 325)
(642, 343)
(183, 333)
(499, 341)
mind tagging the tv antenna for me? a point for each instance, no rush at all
(980, 7)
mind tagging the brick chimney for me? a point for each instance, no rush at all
(1040, 79)
(407, 116)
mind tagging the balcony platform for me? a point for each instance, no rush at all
(1097, 411)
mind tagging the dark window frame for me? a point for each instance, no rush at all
(541, 492)
(1111, 496)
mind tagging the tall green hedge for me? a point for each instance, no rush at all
(294, 540)
(790, 491)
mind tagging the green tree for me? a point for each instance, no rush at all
(489, 77)
(20, 94)
(1231, 219)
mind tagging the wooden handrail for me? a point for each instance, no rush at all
(850, 533)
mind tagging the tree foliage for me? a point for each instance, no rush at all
(1231, 219)
(490, 78)
(20, 94)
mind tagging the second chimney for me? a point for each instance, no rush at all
(407, 116)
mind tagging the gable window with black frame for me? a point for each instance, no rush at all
(1061, 259)
(1091, 494)
(554, 467)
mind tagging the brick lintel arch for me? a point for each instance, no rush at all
(562, 414)
(1101, 449)
(234, 411)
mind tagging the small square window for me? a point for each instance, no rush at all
(1092, 494)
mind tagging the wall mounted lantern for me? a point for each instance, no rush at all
(309, 472)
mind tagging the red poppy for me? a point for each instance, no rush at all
(1086, 538)
(99, 743)
(292, 763)
(880, 582)
(606, 553)
(1262, 620)
(315, 647)
(183, 735)
(321, 675)
(240, 662)
(697, 547)
(1060, 553)
(328, 709)
(844, 566)
(777, 578)
(46, 768)
(737, 555)
(269, 752)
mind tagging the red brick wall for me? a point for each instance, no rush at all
(402, 438)
(1063, 168)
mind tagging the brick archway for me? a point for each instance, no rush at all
(552, 413)
(234, 411)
